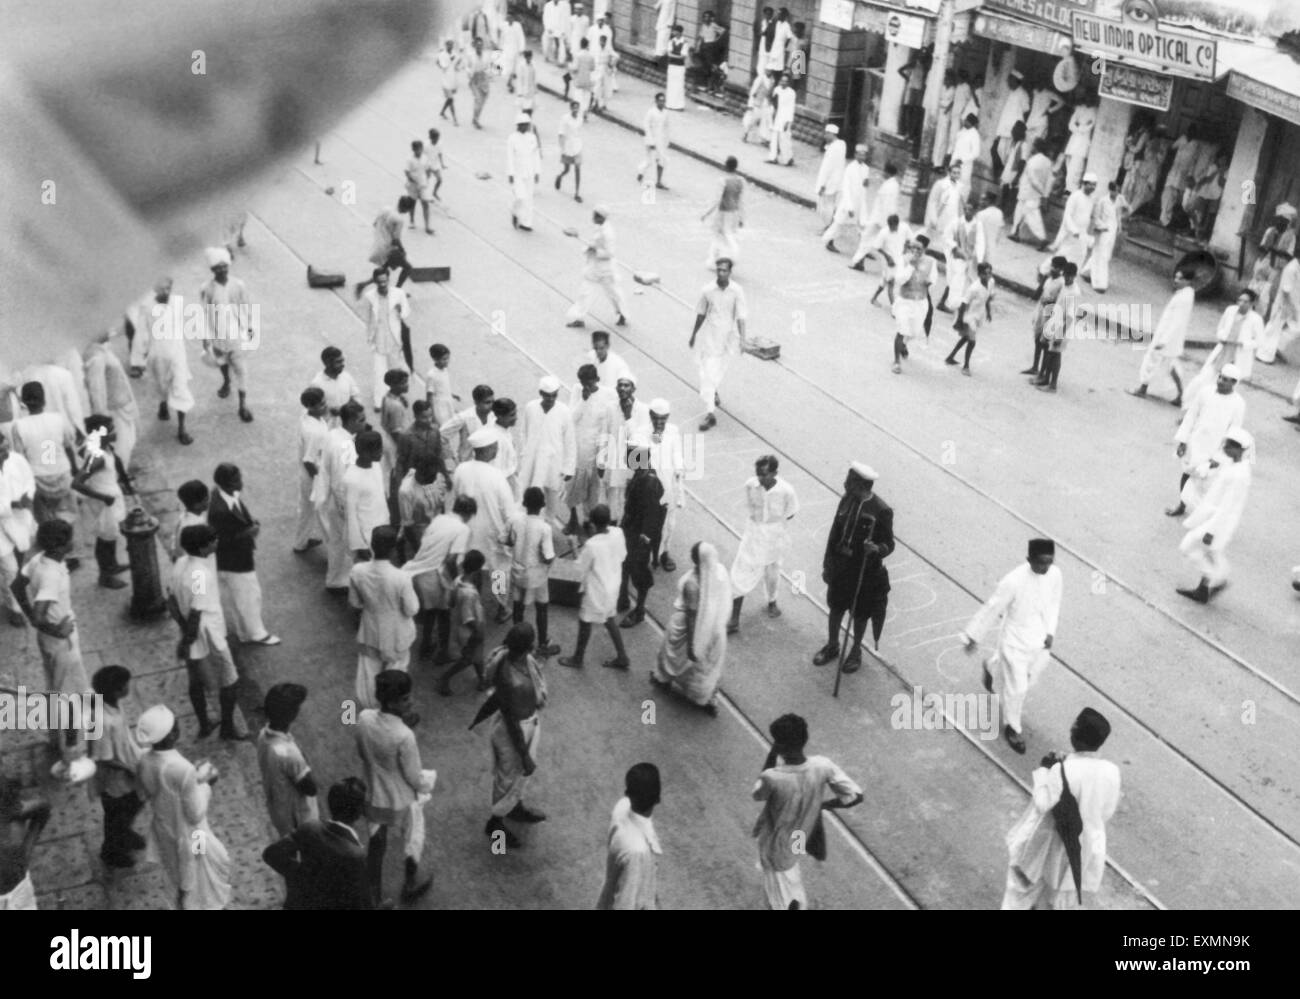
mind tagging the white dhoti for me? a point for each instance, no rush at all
(1036, 895)
(1029, 212)
(1157, 362)
(235, 358)
(670, 524)
(726, 226)
(310, 526)
(1211, 561)
(126, 422)
(956, 275)
(8, 575)
(592, 287)
(173, 381)
(22, 898)
(842, 217)
(783, 887)
(522, 205)
(1278, 334)
(1072, 248)
(337, 553)
(1019, 670)
(910, 316)
(508, 779)
(1098, 262)
(826, 206)
(713, 368)
(762, 547)
(241, 603)
(655, 158)
(675, 89)
(370, 663)
(781, 146)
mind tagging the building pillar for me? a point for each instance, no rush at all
(1106, 153)
(892, 88)
(1238, 207)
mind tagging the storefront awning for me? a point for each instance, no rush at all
(1263, 77)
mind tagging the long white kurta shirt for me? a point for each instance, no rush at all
(1030, 608)
(1095, 783)
(593, 426)
(384, 316)
(523, 159)
(1209, 418)
(630, 864)
(550, 449)
(1220, 511)
(1171, 330)
(496, 504)
(179, 835)
(853, 191)
(830, 174)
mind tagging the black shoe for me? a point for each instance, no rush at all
(950, 360)
(854, 662)
(1014, 740)
(621, 320)
(710, 709)
(988, 679)
(632, 620)
(224, 391)
(1176, 511)
(825, 654)
(1201, 594)
(337, 591)
(413, 891)
(1292, 419)
(667, 562)
(1030, 371)
(522, 813)
(618, 662)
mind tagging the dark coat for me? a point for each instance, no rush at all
(323, 868)
(235, 544)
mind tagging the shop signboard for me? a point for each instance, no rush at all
(1147, 44)
(1268, 99)
(1136, 86)
(1056, 14)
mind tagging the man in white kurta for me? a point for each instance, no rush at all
(1168, 337)
(781, 148)
(1082, 122)
(385, 311)
(1015, 108)
(178, 793)
(17, 525)
(1284, 320)
(718, 337)
(110, 394)
(772, 504)
(159, 346)
(385, 596)
(364, 505)
(523, 171)
(667, 458)
(1039, 875)
(550, 450)
(313, 433)
(1072, 238)
(966, 150)
(633, 847)
(495, 506)
(330, 494)
(610, 366)
(1105, 230)
(1034, 187)
(1028, 602)
(943, 208)
(830, 175)
(851, 209)
(593, 406)
(1213, 523)
(599, 273)
(457, 431)
(655, 138)
(1240, 328)
(1210, 417)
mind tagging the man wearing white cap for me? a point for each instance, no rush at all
(179, 837)
(550, 451)
(669, 462)
(1210, 417)
(523, 171)
(495, 504)
(598, 273)
(1166, 349)
(229, 334)
(631, 423)
(1214, 521)
(386, 312)
(1027, 602)
(830, 175)
(1072, 237)
(159, 344)
(720, 317)
(851, 208)
(853, 567)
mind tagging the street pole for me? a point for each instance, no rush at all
(920, 165)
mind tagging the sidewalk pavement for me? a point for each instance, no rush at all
(66, 868)
(709, 135)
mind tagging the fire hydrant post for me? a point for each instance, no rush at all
(139, 529)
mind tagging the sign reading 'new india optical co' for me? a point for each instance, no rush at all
(1166, 50)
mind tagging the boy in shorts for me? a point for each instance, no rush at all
(531, 541)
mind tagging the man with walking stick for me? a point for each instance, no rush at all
(861, 538)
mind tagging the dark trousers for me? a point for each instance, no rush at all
(1051, 367)
(119, 813)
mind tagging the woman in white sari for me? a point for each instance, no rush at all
(695, 643)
